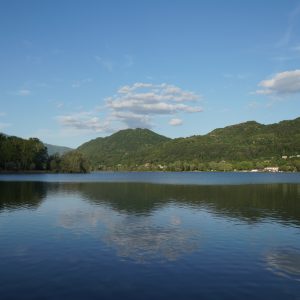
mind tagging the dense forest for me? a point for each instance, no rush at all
(244, 146)
(17, 154)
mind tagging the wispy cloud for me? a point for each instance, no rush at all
(239, 76)
(175, 122)
(81, 82)
(128, 61)
(253, 105)
(4, 125)
(59, 105)
(83, 121)
(287, 82)
(106, 63)
(22, 92)
(288, 33)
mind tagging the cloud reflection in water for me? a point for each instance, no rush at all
(136, 237)
(284, 262)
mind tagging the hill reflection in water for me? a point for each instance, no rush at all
(249, 203)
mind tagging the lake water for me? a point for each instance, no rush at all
(150, 236)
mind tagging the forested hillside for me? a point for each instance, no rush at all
(243, 146)
(122, 147)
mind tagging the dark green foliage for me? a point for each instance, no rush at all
(124, 147)
(242, 147)
(70, 162)
(20, 154)
(74, 162)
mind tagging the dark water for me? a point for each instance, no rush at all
(157, 236)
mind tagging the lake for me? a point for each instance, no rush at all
(150, 235)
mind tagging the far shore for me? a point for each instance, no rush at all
(138, 171)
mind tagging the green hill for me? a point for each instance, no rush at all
(243, 146)
(245, 141)
(123, 147)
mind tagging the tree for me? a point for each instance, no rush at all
(74, 162)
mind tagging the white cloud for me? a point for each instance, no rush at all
(83, 121)
(133, 106)
(175, 122)
(143, 101)
(287, 82)
(133, 120)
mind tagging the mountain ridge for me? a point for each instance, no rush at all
(116, 147)
(247, 141)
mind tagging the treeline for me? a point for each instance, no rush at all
(17, 154)
(285, 165)
(70, 162)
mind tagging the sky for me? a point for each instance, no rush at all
(71, 71)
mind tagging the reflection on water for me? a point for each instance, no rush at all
(251, 203)
(115, 240)
(285, 262)
(137, 237)
(17, 195)
(144, 241)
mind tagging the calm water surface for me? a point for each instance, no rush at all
(150, 236)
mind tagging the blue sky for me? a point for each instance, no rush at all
(75, 70)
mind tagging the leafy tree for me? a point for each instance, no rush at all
(74, 162)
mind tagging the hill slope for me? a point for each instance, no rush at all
(245, 141)
(249, 141)
(122, 147)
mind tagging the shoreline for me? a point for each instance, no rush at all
(139, 171)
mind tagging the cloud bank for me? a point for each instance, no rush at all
(287, 82)
(136, 105)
